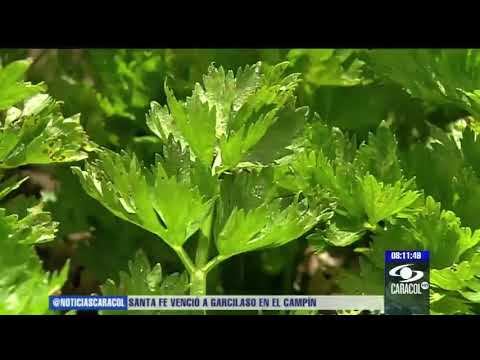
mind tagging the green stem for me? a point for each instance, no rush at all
(198, 285)
(204, 238)
(199, 276)
(187, 262)
(214, 262)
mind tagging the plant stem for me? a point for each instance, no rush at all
(187, 262)
(199, 276)
(198, 285)
(203, 247)
(214, 262)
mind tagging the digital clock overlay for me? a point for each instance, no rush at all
(407, 282)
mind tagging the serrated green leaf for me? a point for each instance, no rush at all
(154, 200)
(144, 280)
(379, 156)
(268, 225)
(39, 134)
(12, 88)
(381, 201)
(457, 276)
(195, 122)
(227, 93)
(24, 285)
(440, 232)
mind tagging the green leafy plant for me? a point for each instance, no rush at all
(34, 132)
(210, 145)
(291, 175)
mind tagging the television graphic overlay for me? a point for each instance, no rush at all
(407, 282)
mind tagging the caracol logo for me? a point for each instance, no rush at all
(408, 275)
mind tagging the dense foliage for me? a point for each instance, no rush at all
(239, 171)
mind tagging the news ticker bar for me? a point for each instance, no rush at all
(223, 302)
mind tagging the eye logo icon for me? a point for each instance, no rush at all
(407, 274)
